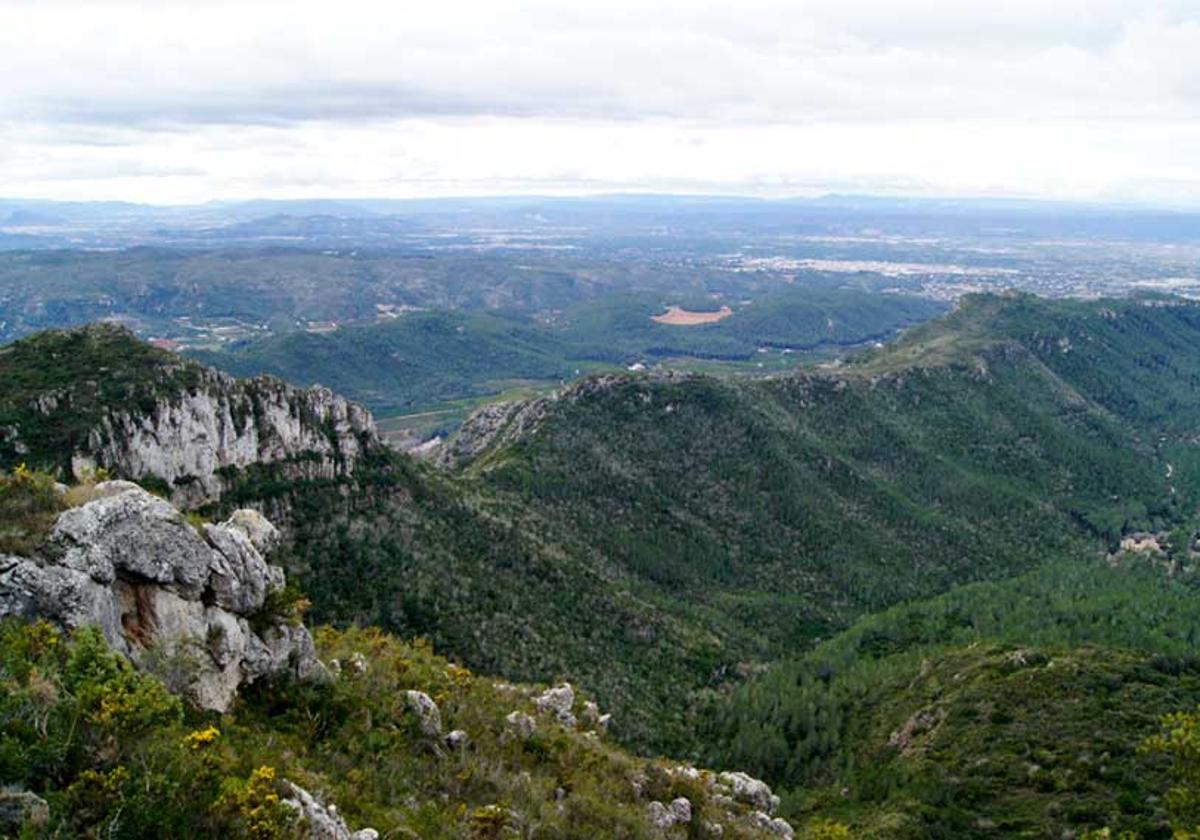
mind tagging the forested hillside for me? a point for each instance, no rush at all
(781, 573)
(425, 359)
(720, 523)
(998, 708)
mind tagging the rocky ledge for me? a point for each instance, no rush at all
(197, 605)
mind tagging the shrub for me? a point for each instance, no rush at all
(29, 504)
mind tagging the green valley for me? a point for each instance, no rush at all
(424, 360)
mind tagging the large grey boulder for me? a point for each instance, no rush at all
(754, 792)
(131, 532)
(172, 599)
(257, 528)
(240, 578)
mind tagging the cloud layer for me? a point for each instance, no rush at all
(180, 101)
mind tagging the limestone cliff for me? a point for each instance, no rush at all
(192, 605)
(98, 396)
(187, 439)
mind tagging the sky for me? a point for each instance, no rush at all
(173, 102)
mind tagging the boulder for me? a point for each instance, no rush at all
(322, 822)
(20, 809)
(257, 528)
(128, 531)
(558, 701)
(751, 791)
(681, 809)
(171, 599)
(429, 716)
(660, 816)
(520, 725)
(240, 579)
(593, 718)
(679, 812)
(774, 825)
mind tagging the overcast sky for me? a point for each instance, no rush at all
(172, 102)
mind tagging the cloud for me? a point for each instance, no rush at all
(174, 63)
(357, 94)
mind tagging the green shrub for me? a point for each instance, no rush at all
(29, 504)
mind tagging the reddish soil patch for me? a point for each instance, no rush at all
(686, 318)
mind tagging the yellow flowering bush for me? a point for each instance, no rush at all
(201, 738)
(256, 807)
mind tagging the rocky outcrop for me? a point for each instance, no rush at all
(192, 605)
(734, 799)
(558, 701)
(752, 791)
(187, 439)
(679, 812)
(491, 424)
(429, 716)
(97, 396)
(774, 825)
(321, 822)
(520, 725)
(498, 424)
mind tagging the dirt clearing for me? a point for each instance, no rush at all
(681, 317)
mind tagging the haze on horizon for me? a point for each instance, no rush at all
(185, 102)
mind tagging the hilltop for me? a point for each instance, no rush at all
(98, 397)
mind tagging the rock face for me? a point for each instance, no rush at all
(187, 438)
(187, 605)
(98, 396)
(488, 425)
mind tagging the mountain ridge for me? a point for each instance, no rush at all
(98, 397)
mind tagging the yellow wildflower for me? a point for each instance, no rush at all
(201, 738)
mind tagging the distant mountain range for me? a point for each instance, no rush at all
(123, 224)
